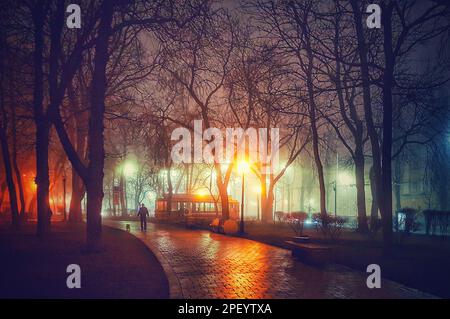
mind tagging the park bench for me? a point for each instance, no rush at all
(314, 253)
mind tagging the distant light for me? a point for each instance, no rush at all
(129, 169)
(345, 179)
(202, 192)
(243, 167)
(174, 173)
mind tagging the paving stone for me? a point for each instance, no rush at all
(210, 265)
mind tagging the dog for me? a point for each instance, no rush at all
(127, 226)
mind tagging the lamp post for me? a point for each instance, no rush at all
(242, 168)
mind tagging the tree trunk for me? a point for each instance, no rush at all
(80, 137)
(371, 129)
(42, 126)
(315, 140)
(9, 179)
(357, 130)
(360, 191)
(309, 65)
(267, 199)
(268, 206)
(122, 186)
(42, 177)
(78, 189)
(2, 193)
(94, 191)
(264, 214)
(4, 138)
(386, 156)
(374, 206)
(94, 185)
(19, 184)
(224, 200)
(14, 159)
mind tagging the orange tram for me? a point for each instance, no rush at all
(193, 209)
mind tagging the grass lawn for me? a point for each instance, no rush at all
(420, 262)
(34, 268)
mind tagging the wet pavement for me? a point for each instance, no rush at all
(202, 264)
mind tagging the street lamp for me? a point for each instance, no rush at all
(243, 168)
(202, 192)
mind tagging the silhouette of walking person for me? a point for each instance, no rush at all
(143, 213)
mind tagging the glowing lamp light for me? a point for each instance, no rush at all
(243, 167)
(129, 169)
(202, 192)
(345, 179)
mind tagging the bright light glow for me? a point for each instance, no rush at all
(345, 179)
(258, 189)
(129, 169)
(243, 167)
(174, 173)
(163, 173)
(202, 192)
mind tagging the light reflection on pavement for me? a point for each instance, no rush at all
(210, 265)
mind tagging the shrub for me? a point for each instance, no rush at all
(435, 219)
(281, 216)
(406, 221)
(329, 225)
(296, 221)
